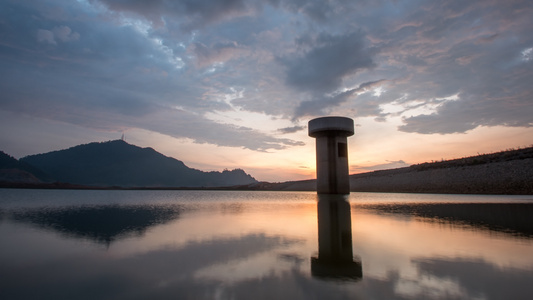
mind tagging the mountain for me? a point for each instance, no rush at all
(117, 163)
(12, 170)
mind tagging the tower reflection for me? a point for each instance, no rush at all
(335, 255)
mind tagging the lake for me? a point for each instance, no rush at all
(75, 244)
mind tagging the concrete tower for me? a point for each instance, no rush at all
(332, 153)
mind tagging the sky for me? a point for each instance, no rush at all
(224, 84)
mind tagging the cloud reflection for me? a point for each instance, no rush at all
(479, 278)
(160, 274)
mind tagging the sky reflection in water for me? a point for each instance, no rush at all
(244, 245)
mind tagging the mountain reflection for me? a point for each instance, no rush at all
(508, 218)
(335, 255)
(101, 224)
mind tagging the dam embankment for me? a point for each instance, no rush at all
(507, 177)
(507, 172)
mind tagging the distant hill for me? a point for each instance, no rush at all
(12, 170)
(117, 163)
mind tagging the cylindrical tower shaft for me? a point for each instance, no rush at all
(332, 153)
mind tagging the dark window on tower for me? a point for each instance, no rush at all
(342, 149)
(346, 240)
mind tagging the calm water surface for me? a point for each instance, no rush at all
(62, 244)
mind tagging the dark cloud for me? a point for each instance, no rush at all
(218, 53)
(469, 49)
(466, 114)
(492, 85)
(292, 129)
(329, 60)
(320, 106)
(181, 124)
(100, 73)
(113, 78)
(61, 33)
(317, 10)
(191, 14)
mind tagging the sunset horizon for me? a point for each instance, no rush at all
(233, 84)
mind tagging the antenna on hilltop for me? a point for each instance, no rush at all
(123, 138)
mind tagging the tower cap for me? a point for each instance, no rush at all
(340, 125)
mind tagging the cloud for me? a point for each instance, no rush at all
(292, 129)
(445, 53)
(218, 53)
(62, 33)
(491, 82)
(117, 78)
(109, 108)
(45, 36)
(65, 34)
(191, 14)
(329, 59)
(320, 105)
(317, 10)
(181, 124)
(466, 114)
